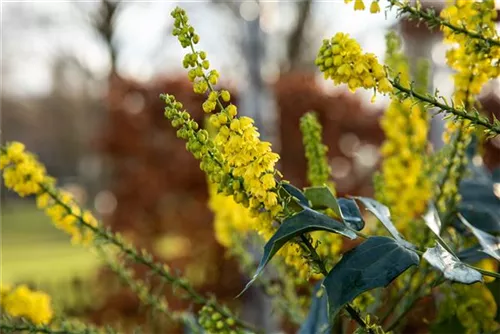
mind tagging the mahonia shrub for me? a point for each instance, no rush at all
(431, 238)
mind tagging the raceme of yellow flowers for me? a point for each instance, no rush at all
(236, 160)
(342, 60)
(475, 63)
(318, 174)
(20, 301)
(406, 187)
(25, 175)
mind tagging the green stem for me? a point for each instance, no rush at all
(317, 259)
(431, 19)
(147, 260)
(484, 272)
(474, 117)
(10, 327)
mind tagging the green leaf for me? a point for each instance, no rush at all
(295, 192)
(472, 254)
(305, 221)
(322, 198)
(451, 266)
(317, 319)
(384, 215)
(350, 213)
(374, 263)
(484, 217)
(490, 244)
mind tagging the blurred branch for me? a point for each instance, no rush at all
(296, 37)
(103, 24)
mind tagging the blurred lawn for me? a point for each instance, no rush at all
(33, 250)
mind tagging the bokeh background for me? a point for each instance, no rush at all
(80, 87)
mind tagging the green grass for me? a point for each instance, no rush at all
(33, 250)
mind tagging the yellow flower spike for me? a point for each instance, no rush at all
(405, 188)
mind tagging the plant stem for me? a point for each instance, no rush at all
(431, 19)
(317, 259)
(493, 128)
(147, 260)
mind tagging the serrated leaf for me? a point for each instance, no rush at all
(490, 244)
(374, 263)
(317, 321)
(295, 192)
(322, 198)
(305, 221)
(451, 266)
(384, 215)
(350, 213)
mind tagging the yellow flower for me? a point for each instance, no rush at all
(15, 151)
(374, 7)
(359, 5)
(33, 305)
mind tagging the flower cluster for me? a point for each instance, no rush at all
(360, 5)
(342, 60)
(23, 302)
(406, 187)
(474, 60)
(198, 141)
(25, 175)
(230, 218)
(318, 169)
(21, 172)
(195, 61)
(453, 169)
(318, 174)
(248, 163)
(473, 305)
(214, 322)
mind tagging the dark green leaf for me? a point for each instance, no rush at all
(384, 215)
(295, 192)
(472, 254)
(490, 244)
(374, 263)
(322, 198)
(305, 221)
(480, 205)
(451, 266)
(483, 217)
(350, 213)
(317, 319)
